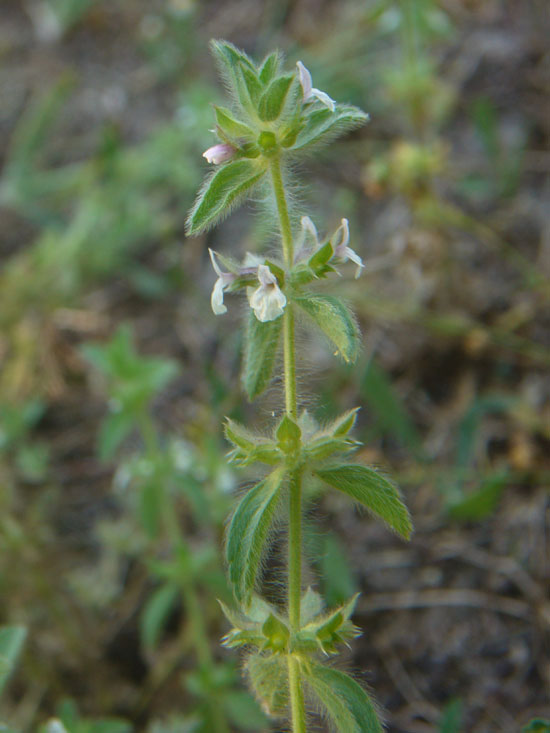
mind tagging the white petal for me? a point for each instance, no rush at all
(340, 238)
(215, 265)
(252, 260)
(324, 99)
(265, 276)
(217, 298)
(305, 80)
(354, 257)
(308, 227)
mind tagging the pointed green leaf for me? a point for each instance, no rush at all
(230, 62)
(335, 320)
(322, 125)
(288, 434)
(247, 534)
(261, 342)
(11, 643)
(269, 681)
(375, 492)
(345, 703)
(276, 633)
(343, 424)
(272, 100)
(311, 604)
(234, 129)
(252, 83)
(269, 67)
(221, 191)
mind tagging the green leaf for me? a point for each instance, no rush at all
(243, 711)
(222, 190)
(276, 633)
(343, 424)
(231, 61)
(269, 67)
(346, 704)
(451, 719)
(336, 577)
(155, 614)
(482, 502)
(260, 350)
(248, 532)
(11, 643)
(233, 128)
(336, 322)
(269, 681)
(272, 100)
(114, 428)
(373, 491)
(150, 506)
(252, 83)
(288, 435)
(384, 401)
(322, 125)
(311, 604)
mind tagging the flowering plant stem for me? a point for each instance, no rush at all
(295, 503)
(275, 116)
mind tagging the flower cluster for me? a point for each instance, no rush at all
(267, 299)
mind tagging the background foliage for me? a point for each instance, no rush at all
(115, 375)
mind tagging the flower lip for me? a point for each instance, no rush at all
(220, 153)
(340, 241)
(267, 301)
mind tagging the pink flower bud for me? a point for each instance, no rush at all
(220, 153)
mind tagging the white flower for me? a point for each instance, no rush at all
(220, 153)
(224, 281)
(339, 242)
(267, 301)
(309, 91)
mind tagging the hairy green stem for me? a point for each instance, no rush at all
(295, 499)
(296, 696)
(282, 209)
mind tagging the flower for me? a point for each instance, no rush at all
(220, 153)
(340, 247)
(224, 281)
(267, 301)
(309, 91)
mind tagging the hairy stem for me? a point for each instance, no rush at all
(296, 696)
(295, 500)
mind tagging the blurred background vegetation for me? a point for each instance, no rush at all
(115, 375)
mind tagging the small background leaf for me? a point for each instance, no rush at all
(11, 643)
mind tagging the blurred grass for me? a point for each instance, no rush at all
(446, 212)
